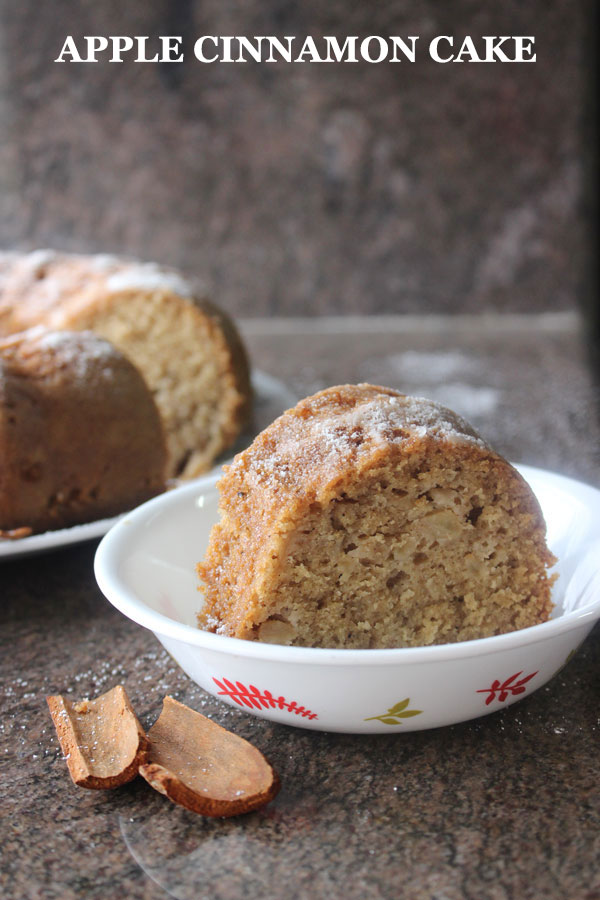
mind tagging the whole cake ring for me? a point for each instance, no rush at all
(186, 348)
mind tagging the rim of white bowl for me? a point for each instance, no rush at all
(127, 602)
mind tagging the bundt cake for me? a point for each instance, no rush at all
(80, 435)
(188, 351)
(363, 518)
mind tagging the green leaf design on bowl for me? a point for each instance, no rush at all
(396, 713)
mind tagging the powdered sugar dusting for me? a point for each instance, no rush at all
(103, 262)
(389, 420)
(80, 351)
(37, 261)
(333, 435)
(149, 277)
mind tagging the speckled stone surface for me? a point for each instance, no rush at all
(506, 807)
(308, 188)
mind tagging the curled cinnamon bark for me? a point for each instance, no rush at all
(102, 740)
(204, 767)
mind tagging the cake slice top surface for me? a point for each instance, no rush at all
(347, 425)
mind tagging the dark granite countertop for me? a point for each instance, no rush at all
(506, 807)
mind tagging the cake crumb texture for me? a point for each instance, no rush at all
(363, 518)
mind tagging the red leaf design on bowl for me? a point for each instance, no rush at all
(509, 687)
(253, 698)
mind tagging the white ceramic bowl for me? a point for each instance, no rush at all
(146, 567)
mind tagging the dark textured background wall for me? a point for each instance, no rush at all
(297, 189)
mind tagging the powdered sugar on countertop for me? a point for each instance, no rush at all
(451, 377)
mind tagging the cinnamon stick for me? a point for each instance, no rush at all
(204, 767)
(102, 740)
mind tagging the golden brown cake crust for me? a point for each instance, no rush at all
(80, 435)
(363, 469)
(187, 349)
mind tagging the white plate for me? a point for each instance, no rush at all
(271, 398)
(145, 566)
